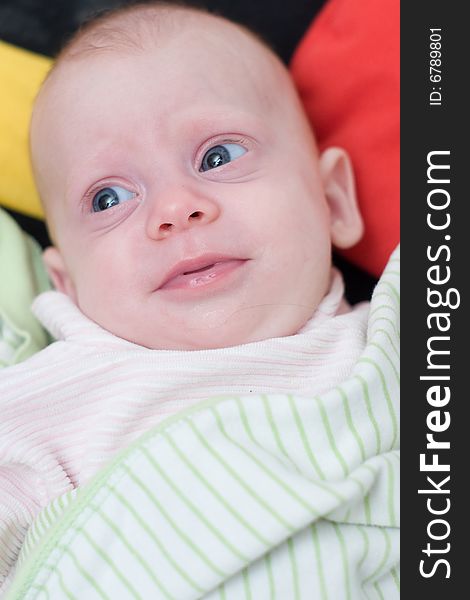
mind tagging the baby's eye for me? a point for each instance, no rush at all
(220, 155)
(110, 196)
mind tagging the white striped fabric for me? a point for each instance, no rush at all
(257, 496)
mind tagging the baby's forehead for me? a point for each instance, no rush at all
(146, 30)
(186, 41)
(181, 73)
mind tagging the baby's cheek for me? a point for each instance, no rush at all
(97, 284)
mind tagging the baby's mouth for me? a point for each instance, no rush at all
(200, 272)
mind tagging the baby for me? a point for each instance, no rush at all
(183, 190)
(192, 218)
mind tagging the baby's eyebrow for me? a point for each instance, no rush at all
(221, 119)
(77, 183)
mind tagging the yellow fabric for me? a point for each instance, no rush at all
(21, 74)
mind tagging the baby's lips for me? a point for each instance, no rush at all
(204, 266)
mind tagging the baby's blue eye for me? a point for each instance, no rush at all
(220, 155)
(110, 196)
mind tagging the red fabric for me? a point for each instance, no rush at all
(347, 72)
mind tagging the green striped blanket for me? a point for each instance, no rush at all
(253, 497)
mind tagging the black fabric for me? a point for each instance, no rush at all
(34, 227)
(43, 25)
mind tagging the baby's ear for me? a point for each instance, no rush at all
(58, 272)
(338, 183)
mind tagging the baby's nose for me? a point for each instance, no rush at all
(181, 213)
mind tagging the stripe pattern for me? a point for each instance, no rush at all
(243, 497)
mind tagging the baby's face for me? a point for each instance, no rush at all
(185, 195)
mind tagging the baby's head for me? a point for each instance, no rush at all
(184, 193)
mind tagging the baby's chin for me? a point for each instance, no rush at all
(218, 337)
